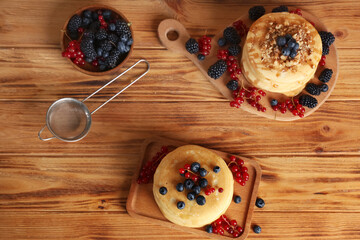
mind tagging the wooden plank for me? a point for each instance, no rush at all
(101, 183)
(45, 75)
(123, 126)
(198, 17)
(119, 225)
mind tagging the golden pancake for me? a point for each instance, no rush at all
(167, 175)
(262, 62)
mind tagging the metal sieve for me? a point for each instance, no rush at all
(69, 119)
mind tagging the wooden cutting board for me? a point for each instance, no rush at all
(178, 45)
(141, 204)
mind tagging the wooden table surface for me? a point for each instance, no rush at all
(57, 190)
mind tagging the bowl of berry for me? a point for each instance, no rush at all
(97, 40)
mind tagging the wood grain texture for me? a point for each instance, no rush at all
(46, 75)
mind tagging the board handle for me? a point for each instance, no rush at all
(180, 35)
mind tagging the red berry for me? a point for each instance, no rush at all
(218, 221)
(283, 110)
(287, 102)
(187, 166)
(71, 49)
(263, 109)
(182, 171)
(231, 231)
(95, 63)
(323, 57)
(80, 30)
(228, 63)
(164, 149)
(239, 229)
(322, 63)
(232, 158)
(302, 110)
(244, 169)
(253, 103)
(240, 162)
(294, 112)
(234, 65)
(275, 108)
(212, 190)
(301, 115)
(234, 168)
(239, 180)
(233, 76)
(298, 106)
(236, 234)
(290, 106)
(282, 105)
(187, 175)
(82, 62)
(207, 192)
(208, 40)
(221, 190)
(238, 71)
(233, 223)
(226, 227)
(194, 178)
(64, 53)
(245, 176)
(233, 104)
(239, 100)
(220, 231)
(238, 174)
(214, 228)
(224, 217)
(258, 98)
(231, 58)
(76, 62)
(71, 44)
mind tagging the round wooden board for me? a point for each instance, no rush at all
(178, 45)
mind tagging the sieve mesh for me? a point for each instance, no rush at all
(68, 119)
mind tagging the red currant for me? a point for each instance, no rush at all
(236, 234)
(187, 166)
(194, 178)
(294, 112)
(182, 171)
(322, 63)
(218, 221)
(238, 71)
(207, 192)
(244, 169)
(239, 229)
(234, 168)
(238, 174)
(187, 175)
(301, 115)
(283, 110)
(221, 190)
(245, 176)
(233, 223)
(275, 108)
(239, 180)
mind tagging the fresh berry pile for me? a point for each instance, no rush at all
(148, 170)
(202, 46)
(288, 45)
(252, 96)
(74, 53)
(240, 172)
(293, 106)
(104, 38)
(223, 224)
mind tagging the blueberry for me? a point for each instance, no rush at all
(124, 38)
(201, 57)
(296, 47)
(85, 21)
(196, 189)
(163, 190)
(288, 37)
(257, 229)
(94, 16)
(195, 166)
(274, 102)
(102, 67)
(281, 41)
(180, 205)
(200, 200)
(291, 43)
(112, 27)
(121, 47)
(127, 48)
(203, 182)
(107, 14)
(180, 187)
(99, 52)
(87, 13)
(130, 42)
(189, 183)
(216, 169)
(202, 172)
(222, 42)
(324, 87)
(101, 62)
(260, 203)
(208, 229)
(293, 53)
(237, 199)
(191, 196)
(285, 51)
(105, 54)
(89, 60)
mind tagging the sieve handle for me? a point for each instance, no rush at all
(44, 139)
(122, 90)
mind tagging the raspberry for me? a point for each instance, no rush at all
(282, 8)
(218, 69)
(313, 89)
(234, 50)
(192, 46)
(74, 23)
(327, 38)
(308, 101)
(326, 75)
(256, 12)
(231, 35)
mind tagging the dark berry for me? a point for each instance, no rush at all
(180, 205)
(94, 26)
(221, 42)
(325, 50)
(105, 54)
(201, 57)
(281, 41)
(74, 23)
(203, 182)
(313, 89)
(231, 35)
(101, 34)
(285, 51)
(87, 47)
(124, 38)
(106, 45)
(130, 41)
(200, 200)
(218, 69)
(257, 229)
(274, 102)
(112, 37)
(189, 184)
(296, 47)
(256, 12)
(196, 189)
(260, 203)
(112, 60)
(208, 229)
(85, 22)
(202, 172)
(234, 50)
(192, 46)
(163, 190)
(87, 13)
(94, 16)
(216, 169)
(232, 85)
(308, 101)
(293, 53)
(324, 87)
(122, 28)
(237, 199)
(180, 187)
(121, 47)
(89, 34)
(107, 14)
(326, 75)
(291, 43)
(112, 27)
(102, 67)
(282, 8)
(191, 196)
(99, 52)
(195, 166)
(327, 38)
(288, 37)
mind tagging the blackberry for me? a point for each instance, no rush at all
(260, 203)
(325, 50)
(94, 26)
(201, 57)
(74, 23)
(313, 89)
(122, 28)
(326, 75)
(231, 35)
(221, 42)
(282, 8)
(218, 69)
(208, 229)
(112, 59)
(106, 45)
(308, 101)
(101, 34)
(89, 34)
(87, 47)
(85, 22)
(192, 46)
(324, 87)
(112, 37)
(327, 38)
(234, 50)
(257, 229)
(256, 12)
(232, 85)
